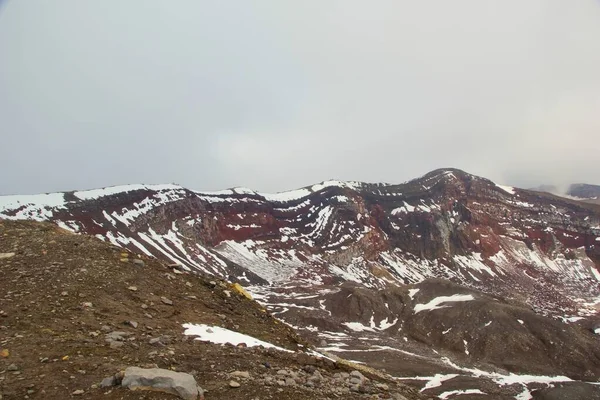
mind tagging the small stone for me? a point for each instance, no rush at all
(4, 256)
(105, 328)
(87, 304)
(133, 323)
(78, 392)
(166, 301)
(108, 382)
(132, 288)
(119, 377)
(355, 381)
(12, 367)
(316, 377)
(309, 368)
(64, 294)
(234, 384)
(290, 381)
(382, 386)
(115, 345)
(240, 374)
(139, 262)
(117, 335)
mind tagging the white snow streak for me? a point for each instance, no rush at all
(435, 304)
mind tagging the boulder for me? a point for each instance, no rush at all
(158, 379)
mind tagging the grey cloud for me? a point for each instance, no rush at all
(274, 95)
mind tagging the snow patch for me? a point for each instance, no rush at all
(37, 207)
(218, 335)
(358, 327)
(507, 189)
(446, 395)
(108, 191)
(437, 302)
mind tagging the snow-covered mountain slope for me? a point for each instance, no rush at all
(334, 259)
(446, 224)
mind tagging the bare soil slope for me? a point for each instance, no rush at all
(61, 294)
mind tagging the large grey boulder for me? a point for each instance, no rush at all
(158, 379)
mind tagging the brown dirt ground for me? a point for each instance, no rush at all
(49, 332)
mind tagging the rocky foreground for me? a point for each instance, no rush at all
(83, 319)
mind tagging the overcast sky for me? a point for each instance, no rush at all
(275, 95)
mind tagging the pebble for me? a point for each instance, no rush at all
(240, 374)
(166, 301)
(78, 392)
(132, 288)
(12, 367)
(234, 384)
